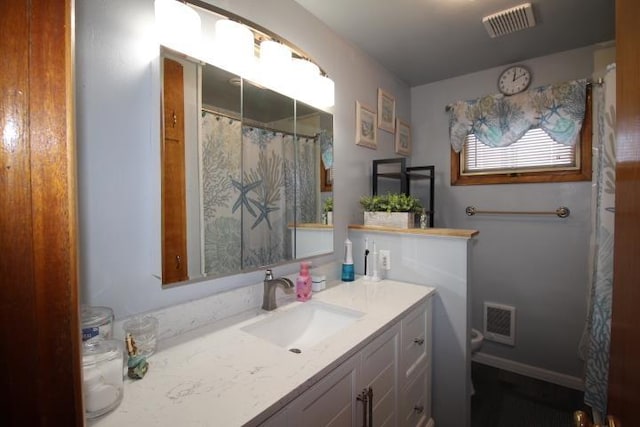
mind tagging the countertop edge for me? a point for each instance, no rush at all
(427, 232)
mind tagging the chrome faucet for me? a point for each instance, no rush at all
(269, 296)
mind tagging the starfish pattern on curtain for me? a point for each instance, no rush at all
(250, 175)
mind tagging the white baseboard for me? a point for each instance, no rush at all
(530, 371)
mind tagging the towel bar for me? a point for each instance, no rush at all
(562, 212)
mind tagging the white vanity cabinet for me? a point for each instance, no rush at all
(395, 367)
(415, 366)
(342, 398)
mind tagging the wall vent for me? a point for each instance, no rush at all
(500, 323)
(510, 20)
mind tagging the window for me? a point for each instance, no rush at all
(535, 151)
(534, 158)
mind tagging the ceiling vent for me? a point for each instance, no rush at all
(510, 20)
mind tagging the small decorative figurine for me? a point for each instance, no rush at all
(138, 365)
(423, 219)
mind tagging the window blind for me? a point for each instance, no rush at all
(534, 151)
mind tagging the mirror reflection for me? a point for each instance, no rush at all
(258, 173)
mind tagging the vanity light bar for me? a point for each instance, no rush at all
(233, 47)
(178, 26)
(281, 66)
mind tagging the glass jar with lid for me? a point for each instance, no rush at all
(102, 376)
(97, 323)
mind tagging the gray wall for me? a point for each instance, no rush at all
(537, 264)
(118, 136)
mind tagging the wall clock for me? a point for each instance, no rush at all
(514, 80)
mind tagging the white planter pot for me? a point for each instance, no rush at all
(390, 219)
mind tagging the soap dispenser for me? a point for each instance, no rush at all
(303, 283)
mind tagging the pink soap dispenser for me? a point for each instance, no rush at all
(303, 283)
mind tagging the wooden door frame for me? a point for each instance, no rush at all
(624, 373)
(40, 336)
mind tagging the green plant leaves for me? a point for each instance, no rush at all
(391, 202)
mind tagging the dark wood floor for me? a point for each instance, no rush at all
(505, 399)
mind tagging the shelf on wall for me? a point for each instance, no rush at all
(405, 175)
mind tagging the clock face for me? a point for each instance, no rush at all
(514, 80)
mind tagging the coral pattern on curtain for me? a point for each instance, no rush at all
(599, 325)
(246, 215)
(307, 180)
(499, 121)
(261, 194)
(221, 154)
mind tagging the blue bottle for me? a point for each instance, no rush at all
(348, 273)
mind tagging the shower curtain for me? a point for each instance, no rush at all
(307, 179)
(221, 161)
(599, 322)
(264, 220)
(255, 183)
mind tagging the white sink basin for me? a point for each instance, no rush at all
(303, 326)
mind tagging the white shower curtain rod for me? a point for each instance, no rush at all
(218, 113)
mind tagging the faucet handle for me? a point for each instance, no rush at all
(268, 275)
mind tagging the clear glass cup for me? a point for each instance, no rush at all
(144, 330)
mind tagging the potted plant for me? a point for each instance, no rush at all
(327, 211)
(390, 210)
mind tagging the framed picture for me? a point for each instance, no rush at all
(366, 134)
(386, 111)
(403, 138)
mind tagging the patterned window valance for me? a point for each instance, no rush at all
(498, 121)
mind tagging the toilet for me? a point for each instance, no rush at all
(476, 342)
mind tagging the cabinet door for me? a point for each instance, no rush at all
(415, 407)
(380, 372)
(416, 341)
(330, 402)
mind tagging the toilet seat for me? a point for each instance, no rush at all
(476, 340)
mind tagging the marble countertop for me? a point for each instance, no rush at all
(221, 375)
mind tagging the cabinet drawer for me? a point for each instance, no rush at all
(416, 405)
(415, 339)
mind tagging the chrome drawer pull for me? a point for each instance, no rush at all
(419, 409)
(364, 398)
(418, 341)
